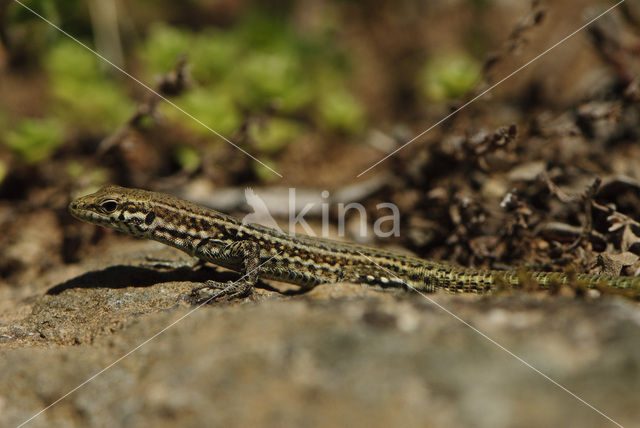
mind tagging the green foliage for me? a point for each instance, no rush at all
(34, 140)
(94, 177)
(4, 169)
(75, 170)
(46, 8)
(83, 95)
(211, 106)
(188, 158)
(259, 64)
(341, 111)
(276, 77)
(164, 47)
(69, 60)
(214, 55)
(263, 173)
(275, 134)
(448, 76)
(28, 32)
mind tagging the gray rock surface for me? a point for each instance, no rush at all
(341, 355)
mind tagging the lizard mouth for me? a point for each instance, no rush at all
(73, 207)
(80, 211)
(77, 209)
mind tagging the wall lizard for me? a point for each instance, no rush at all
(260, 252)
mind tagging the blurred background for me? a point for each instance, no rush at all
(286, 81)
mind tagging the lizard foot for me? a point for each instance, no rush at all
(213, 290)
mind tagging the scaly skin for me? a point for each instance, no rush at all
(260, 252)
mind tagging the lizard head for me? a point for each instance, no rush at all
(119, 208)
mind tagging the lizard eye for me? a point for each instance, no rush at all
(109, 206)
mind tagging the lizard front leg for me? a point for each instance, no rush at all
(243, 256)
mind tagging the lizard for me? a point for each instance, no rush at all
(258, 252)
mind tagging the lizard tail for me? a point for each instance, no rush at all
(485, 281)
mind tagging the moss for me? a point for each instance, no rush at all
(163, 47)
(272, 136)
(263, 173)
(34, 140)
(340, 111)
(188, 158)
(448, 76)
(213, 107)
(4, 169)
(259, 64)
(84, 97)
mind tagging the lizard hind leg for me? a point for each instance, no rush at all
(248, 252)
(213, 290)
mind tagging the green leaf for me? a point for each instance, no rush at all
(213, 108)
(448, 76)
(98, 107)
(35, 140)
(69, 61)
(275, 134)
(93, 176)
(214, 57)
(338, 110)
(273, 76)
(188, 158)
(83, 96)
(263, 173)
(164, 46)
(4, 169)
